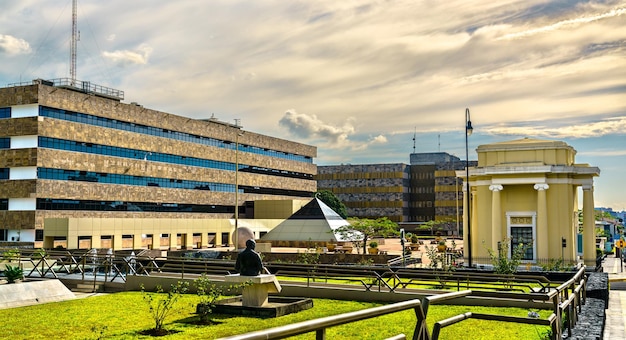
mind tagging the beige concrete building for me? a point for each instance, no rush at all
(527, 191)
(80, 169)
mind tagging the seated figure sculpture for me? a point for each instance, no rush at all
(248, 261)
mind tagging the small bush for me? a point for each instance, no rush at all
(161, 304)
(373, 244)
(208, 293)
(10, 254)
(13, 273)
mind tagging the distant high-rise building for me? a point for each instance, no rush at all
(368, 190)
(425, 190)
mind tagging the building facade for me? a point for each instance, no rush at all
(436, 191)
(82, 169)
(526, 192)
(369, 190)
(426, 190)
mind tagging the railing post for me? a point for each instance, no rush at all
(320, 334)
(557, 312)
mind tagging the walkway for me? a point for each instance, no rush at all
(615, 326)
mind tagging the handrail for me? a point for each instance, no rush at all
(320, 325)
(429, 300)
(550, 321)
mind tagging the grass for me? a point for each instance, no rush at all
(125, 315)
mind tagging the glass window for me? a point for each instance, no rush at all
(523, 235)
(5, 112)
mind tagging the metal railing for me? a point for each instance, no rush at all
(319, 326)
(78, 85)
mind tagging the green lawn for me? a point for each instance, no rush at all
(124, 315)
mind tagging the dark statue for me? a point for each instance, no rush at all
(248, 261)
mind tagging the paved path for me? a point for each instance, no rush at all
(615, 326)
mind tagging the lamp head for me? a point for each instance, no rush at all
(469, 129)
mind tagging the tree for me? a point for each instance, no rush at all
(362, 229)
(438, 225)
(332, 202)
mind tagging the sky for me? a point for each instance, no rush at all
(357, 79)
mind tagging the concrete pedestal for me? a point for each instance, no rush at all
(255, 294)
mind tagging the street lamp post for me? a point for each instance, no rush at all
(468, 132)
(236, 234)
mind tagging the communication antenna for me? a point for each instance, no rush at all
(75, 38)
(438, 143)
(414, 132)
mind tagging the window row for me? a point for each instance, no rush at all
(99, 149)
(165, 133)
(99, 177)
(61, 204)
(5, 143)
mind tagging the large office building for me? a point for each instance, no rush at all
(80, 169)
(369, 190)
(425, 190)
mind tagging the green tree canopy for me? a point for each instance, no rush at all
(362, 229)
(332, 202)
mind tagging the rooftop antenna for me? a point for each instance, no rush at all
(438, 143)
(73, 44)
(414, 132)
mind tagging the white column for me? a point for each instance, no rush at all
(496, 215)
(589, 237)
(542, 241)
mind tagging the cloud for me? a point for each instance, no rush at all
(126, 57)
(13, 46)
(310, 127)
(616, 125)
(565, 24)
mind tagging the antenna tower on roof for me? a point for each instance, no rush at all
(73, 44)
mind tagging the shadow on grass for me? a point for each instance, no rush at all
(158, 332)
(195, 320)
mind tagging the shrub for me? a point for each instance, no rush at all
(13, 273)
(373, 244)
(502, 264)
(161, 304)
(208, 293)
(10, 254)
(40, 253)
(554, 265)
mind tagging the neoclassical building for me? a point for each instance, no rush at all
(526, 191)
